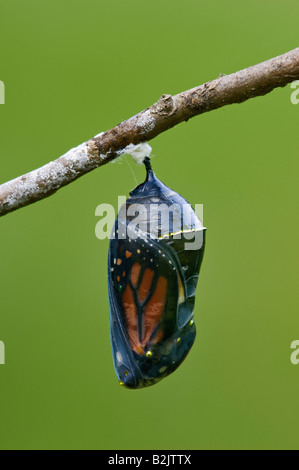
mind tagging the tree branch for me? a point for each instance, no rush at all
(169, 111)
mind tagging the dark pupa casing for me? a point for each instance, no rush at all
(153, 266)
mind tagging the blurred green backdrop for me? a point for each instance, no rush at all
(75, 68)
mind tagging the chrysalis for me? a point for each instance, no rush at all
(155, 252)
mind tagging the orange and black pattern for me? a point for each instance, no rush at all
(152, 285)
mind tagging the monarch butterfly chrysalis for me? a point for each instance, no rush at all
(152, 277)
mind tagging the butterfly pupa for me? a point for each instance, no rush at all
(155, 253)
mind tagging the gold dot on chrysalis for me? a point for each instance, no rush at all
(191, 322)
(121, 384)
(178, 340)
(149, 354)
(126, 373)
(138, 251)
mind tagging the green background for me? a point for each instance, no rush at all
(73, 69)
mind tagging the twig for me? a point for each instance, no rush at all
(166, 113)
